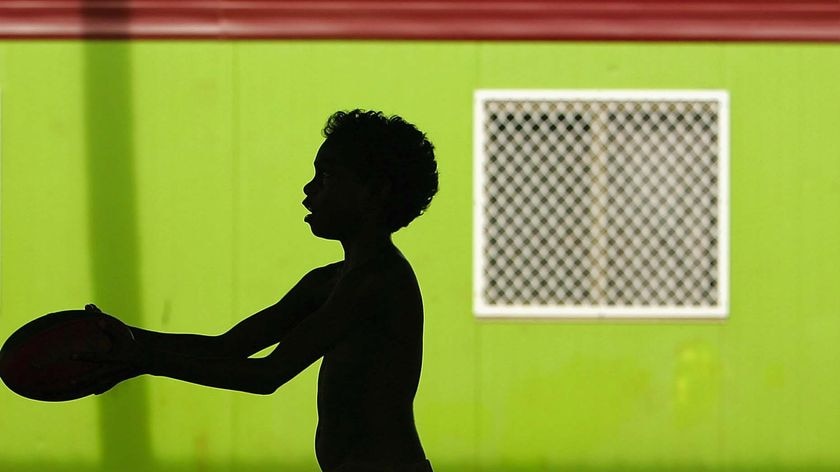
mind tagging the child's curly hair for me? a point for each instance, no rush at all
(377, 146)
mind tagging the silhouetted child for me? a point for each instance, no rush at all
(363, 315)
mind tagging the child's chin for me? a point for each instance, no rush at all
(321, 232)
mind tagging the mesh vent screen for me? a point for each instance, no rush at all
(610, 203)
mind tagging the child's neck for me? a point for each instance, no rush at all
(361, 253)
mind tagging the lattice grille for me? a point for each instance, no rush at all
(600, 203)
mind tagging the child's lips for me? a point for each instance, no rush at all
(308, 206)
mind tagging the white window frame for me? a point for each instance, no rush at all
(483, 310)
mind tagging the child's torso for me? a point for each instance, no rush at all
(367, 382)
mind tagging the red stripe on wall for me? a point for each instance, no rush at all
(623, 20)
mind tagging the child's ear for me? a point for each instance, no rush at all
(377, 195)
(379, 189)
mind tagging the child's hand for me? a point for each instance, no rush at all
(92, 308)
(123, 347)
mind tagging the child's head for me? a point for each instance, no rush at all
(386, 153)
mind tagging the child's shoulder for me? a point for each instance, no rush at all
(397, 273)
(389, 266)
(392, 264)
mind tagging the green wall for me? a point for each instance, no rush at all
(163, 181)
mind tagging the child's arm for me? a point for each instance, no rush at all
(252, 334)
(351, 302)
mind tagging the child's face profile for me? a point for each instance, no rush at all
(339, 202)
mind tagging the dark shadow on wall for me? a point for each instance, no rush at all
(114, 248)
